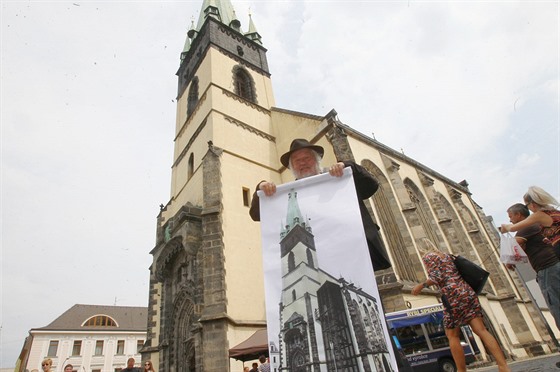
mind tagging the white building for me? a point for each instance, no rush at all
(90, 337)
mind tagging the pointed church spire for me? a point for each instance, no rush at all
(294, 216)
(235, 24)
(192, 31)
(190, 34)
(253, 33)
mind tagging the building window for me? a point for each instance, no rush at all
(190, 170)
(100, 321)
(139, 346)
(246, 198)
(77, 348)
(310, 258)
(291, 262)
(95, 370)
(243, 84)
(192, 98)
(99, 347)
(53, 348)
(120, 347)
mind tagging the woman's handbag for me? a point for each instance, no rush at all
(510, 251)
(474, 275)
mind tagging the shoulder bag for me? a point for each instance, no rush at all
(474, 275)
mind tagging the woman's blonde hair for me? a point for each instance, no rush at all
(47, 361)
(426, 246)
(540, 197)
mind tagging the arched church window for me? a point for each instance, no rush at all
(291, 261)
(310, 258)
(192, 98)
(190, 170)
(243, 84)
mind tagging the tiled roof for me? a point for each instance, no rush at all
(128, 318)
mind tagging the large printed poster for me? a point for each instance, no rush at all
(322, 304)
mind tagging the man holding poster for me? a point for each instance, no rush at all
(328, 298)
(303, 160)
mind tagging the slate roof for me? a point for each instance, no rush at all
(128, 318)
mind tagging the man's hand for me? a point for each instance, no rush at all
(505, 227)
(510, 267)
(337, 170)
(268, 188)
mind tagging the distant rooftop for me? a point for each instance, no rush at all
(119, 318)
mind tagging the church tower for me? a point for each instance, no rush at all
(206, 287)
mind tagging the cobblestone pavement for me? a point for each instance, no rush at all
(538, 364)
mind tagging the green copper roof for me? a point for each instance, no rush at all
(225, 12)
(222, 11)
(252, 28)
(293, 216)
(253, 33)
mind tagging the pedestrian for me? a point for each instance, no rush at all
(541, 257)
(543, 205)
(461, 305)
(265, 366)
(148, 366)
(68, 368)
(46, 365)
(255, 367)
(130, 366)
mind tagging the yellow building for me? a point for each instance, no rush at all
(206, 287)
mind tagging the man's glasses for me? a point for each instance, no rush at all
(147, 364)
(44, 364)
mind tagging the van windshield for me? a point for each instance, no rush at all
(421, 333)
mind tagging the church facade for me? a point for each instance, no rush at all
(206, 280)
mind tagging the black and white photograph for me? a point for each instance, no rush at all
(323, 306)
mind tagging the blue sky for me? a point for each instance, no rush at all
(470, 89)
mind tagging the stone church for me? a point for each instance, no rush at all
(206, 280)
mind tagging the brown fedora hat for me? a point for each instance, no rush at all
(298, 144)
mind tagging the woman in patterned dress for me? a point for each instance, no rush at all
(542, 204)
(461, 305)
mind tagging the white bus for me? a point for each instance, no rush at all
(420, 334)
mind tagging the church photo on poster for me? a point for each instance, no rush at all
(322, 302)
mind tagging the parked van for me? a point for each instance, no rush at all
(420, 334)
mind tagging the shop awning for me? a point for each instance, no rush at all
(252, 348)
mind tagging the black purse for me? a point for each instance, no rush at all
(474, 275)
